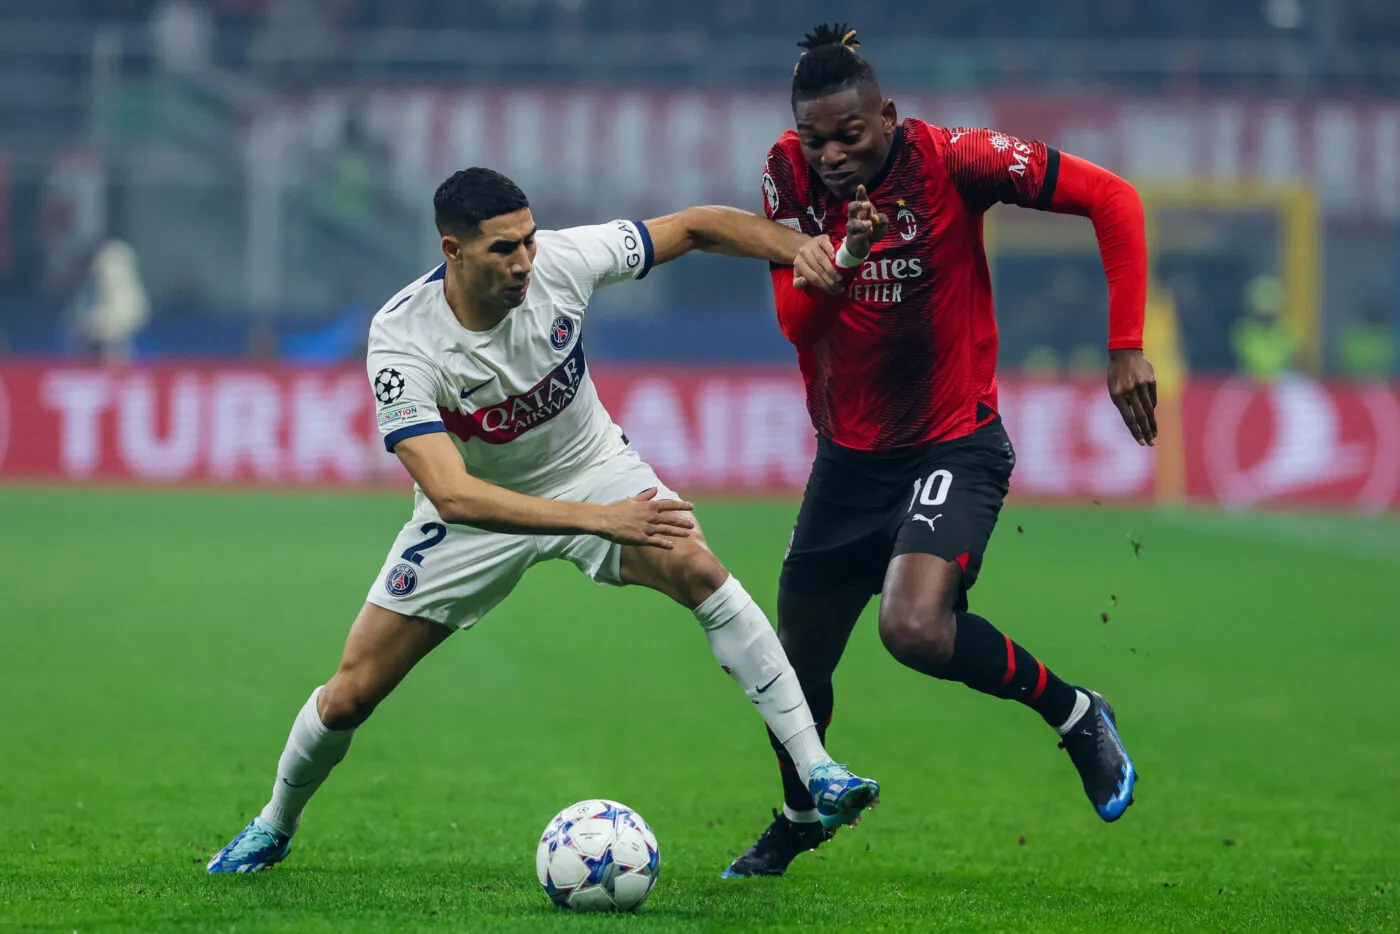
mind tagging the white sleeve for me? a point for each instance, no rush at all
(602, 254)
(405, 396)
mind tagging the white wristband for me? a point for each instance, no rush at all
(846, 259)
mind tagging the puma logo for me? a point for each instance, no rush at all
(919, 517)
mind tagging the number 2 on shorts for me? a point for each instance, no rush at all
(435, 531)
(933, 491)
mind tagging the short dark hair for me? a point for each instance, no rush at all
(471, 196)
(830, 64)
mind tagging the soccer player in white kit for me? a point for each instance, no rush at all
(483, 391)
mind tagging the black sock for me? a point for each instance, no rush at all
(986, 660)
(820, 698)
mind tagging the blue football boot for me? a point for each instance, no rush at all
(258, 846)
(840, 795)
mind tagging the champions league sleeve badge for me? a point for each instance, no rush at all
(388, 385)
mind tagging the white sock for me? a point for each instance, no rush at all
(1081, 707)
(746, 646)
(311, 752)
(801, 817)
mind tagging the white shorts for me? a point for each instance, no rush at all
(455, 574)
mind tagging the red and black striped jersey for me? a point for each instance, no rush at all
(907, 356)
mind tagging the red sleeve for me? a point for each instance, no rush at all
(784, 192)
(988, 166)
(803, 314)
(1113, 205)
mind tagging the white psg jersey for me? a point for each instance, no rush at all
(517, 400)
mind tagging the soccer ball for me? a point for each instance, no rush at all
(598, 856)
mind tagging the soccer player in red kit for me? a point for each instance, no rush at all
(897, 343)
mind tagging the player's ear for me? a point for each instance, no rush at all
(889, 117)
(451, 247)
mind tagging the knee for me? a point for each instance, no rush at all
(347, 700)
(919, 637)
(698, 579)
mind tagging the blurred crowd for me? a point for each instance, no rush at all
(1360, 21)
(258, 35)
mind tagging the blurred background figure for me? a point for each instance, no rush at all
(1368, 343)
(110, 308)
(182, 35)
(1263, 346)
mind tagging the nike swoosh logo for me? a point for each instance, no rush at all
(302, 785)
(468, 392)
(770, 683)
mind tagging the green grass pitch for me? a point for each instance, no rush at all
(154, 648)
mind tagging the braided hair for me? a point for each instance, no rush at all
(829, 64)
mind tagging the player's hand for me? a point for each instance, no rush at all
(816, 265)
(865, 226)
(646, 520)
(1133, 386)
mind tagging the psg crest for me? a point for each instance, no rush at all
(402, 580)
(561, 332)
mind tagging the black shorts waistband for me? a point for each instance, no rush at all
(907, 456)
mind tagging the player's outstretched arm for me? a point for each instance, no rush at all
(720, 229)
(987, 166)
(434, 463)
(1115, 209)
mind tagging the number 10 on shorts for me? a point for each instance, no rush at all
(933, 491)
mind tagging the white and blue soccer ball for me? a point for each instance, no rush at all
(598, 855)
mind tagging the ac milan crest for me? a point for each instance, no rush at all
(906, 224)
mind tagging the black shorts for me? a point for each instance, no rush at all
(860, 510)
